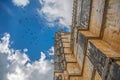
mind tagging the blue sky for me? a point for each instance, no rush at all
(29, 26)
(26, 27)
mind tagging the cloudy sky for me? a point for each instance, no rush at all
(27, 29)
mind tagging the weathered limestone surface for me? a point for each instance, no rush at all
(97, 76)
(73, 69)
(112, 25)
(101, 54)
(75, 78)
(89, 70)
(58, 76)
(85, 10)
(78, 15)
(114, 73)
(91, 51)
(75, 41)
(66, 66)
(70, 58)
(96, 16)
(81, 49)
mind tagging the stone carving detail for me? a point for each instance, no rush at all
(85, 12)
(58, 77)
(114, 73)
(59, 54)
(98, 59)
(81, 49)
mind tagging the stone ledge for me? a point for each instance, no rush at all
(105, 48)
(88, 34)
(66, 44)
(70, 58)
(101, 55)
(67, 50)
(73, 69)
(75, 78)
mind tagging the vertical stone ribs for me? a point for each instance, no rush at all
(92, 50)
(66, 64)
(59, 53)
(98, 59)
(85, 13)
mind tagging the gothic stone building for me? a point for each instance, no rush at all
(91, 51)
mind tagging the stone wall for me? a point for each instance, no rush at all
(92, 51)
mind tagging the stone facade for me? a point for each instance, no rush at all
(91, 50)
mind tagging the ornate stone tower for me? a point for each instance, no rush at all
(91, 50)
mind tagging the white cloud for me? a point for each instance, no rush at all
(25, 50)
(4, 44)
(51, 51)
(59, 11)
(15, 65)
(21, 3)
